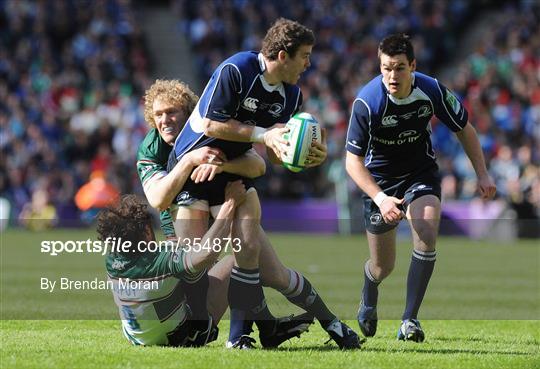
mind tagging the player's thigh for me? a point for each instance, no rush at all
(424, 214)
(250, 209)
(218, 288)
(190, 221)
(273, 273)
(247, 218)
(382, 250)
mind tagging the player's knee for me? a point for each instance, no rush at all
(426, 236)
(248, 254)
(246, 230)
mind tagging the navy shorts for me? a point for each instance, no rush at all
(409, 188)
(211, 191)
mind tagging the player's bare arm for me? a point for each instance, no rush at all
(388, 205)
(161, 191)
(469, 140)
(249, 165)
(233, 130)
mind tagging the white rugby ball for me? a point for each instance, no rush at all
(303, 130)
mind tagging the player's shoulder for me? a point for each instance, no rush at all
(426, 83)
(372, 93)
(244, 61)
(150, 146)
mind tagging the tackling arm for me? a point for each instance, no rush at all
(249, 165)
(161, 191)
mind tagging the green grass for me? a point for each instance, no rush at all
(482, 309)
(99, 344)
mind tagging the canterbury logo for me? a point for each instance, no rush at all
(389, 121)
(250, 104)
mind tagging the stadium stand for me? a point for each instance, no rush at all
(72, 74)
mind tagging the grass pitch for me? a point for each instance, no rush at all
(482, 309)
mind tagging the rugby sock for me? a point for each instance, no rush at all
(247, 303)
(302, 294)
(196, 289)
(370, 292)
(422, 264)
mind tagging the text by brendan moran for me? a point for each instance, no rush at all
(120, 285)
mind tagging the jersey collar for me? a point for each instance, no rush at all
(268, 87)
(262, 65)
(407, 100)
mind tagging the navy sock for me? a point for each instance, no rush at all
(422, 264)
(302, 294)
(196, 290)
(247, 303)
(370, 292)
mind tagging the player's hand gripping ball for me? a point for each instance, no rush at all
(303, 130)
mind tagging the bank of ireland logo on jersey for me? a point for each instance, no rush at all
(408, 133)
(250, 104)
(389, 121)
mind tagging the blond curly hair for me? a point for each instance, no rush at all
(170, 91)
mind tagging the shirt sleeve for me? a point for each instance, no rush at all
(176, 261)
(450, 110)
(149, 170)
(358, 133)
(225, 98)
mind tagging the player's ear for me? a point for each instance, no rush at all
(413, 65)
(282, 55)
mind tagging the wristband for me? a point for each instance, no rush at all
(379, 198)
(257, 135)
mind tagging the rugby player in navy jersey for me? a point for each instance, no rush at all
(248, 98)
(167, 104)
(391, 159)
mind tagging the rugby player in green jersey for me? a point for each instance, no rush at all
(147, 285)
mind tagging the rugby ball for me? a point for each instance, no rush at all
(303, 130)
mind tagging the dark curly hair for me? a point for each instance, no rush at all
(286, 35)
(128, 219)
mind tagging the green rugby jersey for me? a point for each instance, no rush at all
(148, 293)
(152, 159)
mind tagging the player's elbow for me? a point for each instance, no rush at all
(210, 127)
(258, 170)
(157, 202)
(349, 164)
(160, 205)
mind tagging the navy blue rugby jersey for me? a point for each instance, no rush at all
(394, 134)
(238, 90)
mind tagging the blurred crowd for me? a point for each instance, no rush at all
(72, 73)
(499, 83)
